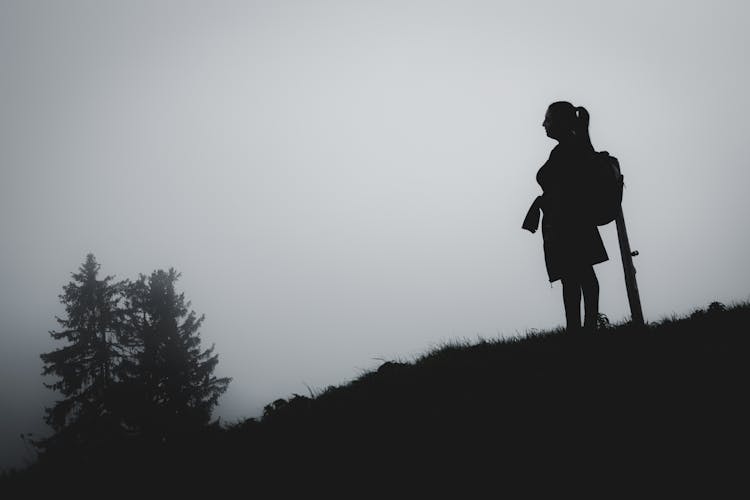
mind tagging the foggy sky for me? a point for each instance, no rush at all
(343, 182)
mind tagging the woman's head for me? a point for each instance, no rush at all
(563, 120)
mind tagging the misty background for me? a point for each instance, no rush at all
(343, 182)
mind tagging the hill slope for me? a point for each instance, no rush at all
(639, 402)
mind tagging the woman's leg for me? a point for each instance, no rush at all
(572, 301)
(590, 287)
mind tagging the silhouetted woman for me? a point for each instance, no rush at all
(572, 244)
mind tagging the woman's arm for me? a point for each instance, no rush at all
(531, 221)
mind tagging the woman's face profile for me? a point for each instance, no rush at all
(553, 125)
(550, 125)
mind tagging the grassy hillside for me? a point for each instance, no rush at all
(663, 401)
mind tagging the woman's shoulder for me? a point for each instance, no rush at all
(568, 154)
(561, 153)
(559, 147)
(555, 155)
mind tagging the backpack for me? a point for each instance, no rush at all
(606, 188)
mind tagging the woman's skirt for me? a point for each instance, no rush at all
(569, 248)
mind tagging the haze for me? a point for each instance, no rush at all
(342, 183)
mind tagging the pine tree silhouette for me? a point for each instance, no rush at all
(132, 367)
(86, 366)
(169, 377)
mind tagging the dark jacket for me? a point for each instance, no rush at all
(571, 238)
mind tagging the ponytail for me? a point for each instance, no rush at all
(582, 125)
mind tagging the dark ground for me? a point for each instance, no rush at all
(644, 411)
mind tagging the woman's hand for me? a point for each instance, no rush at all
(531, 221)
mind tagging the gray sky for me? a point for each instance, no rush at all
(344, 181)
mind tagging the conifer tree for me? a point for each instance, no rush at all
(86, 367)
(169, 377)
